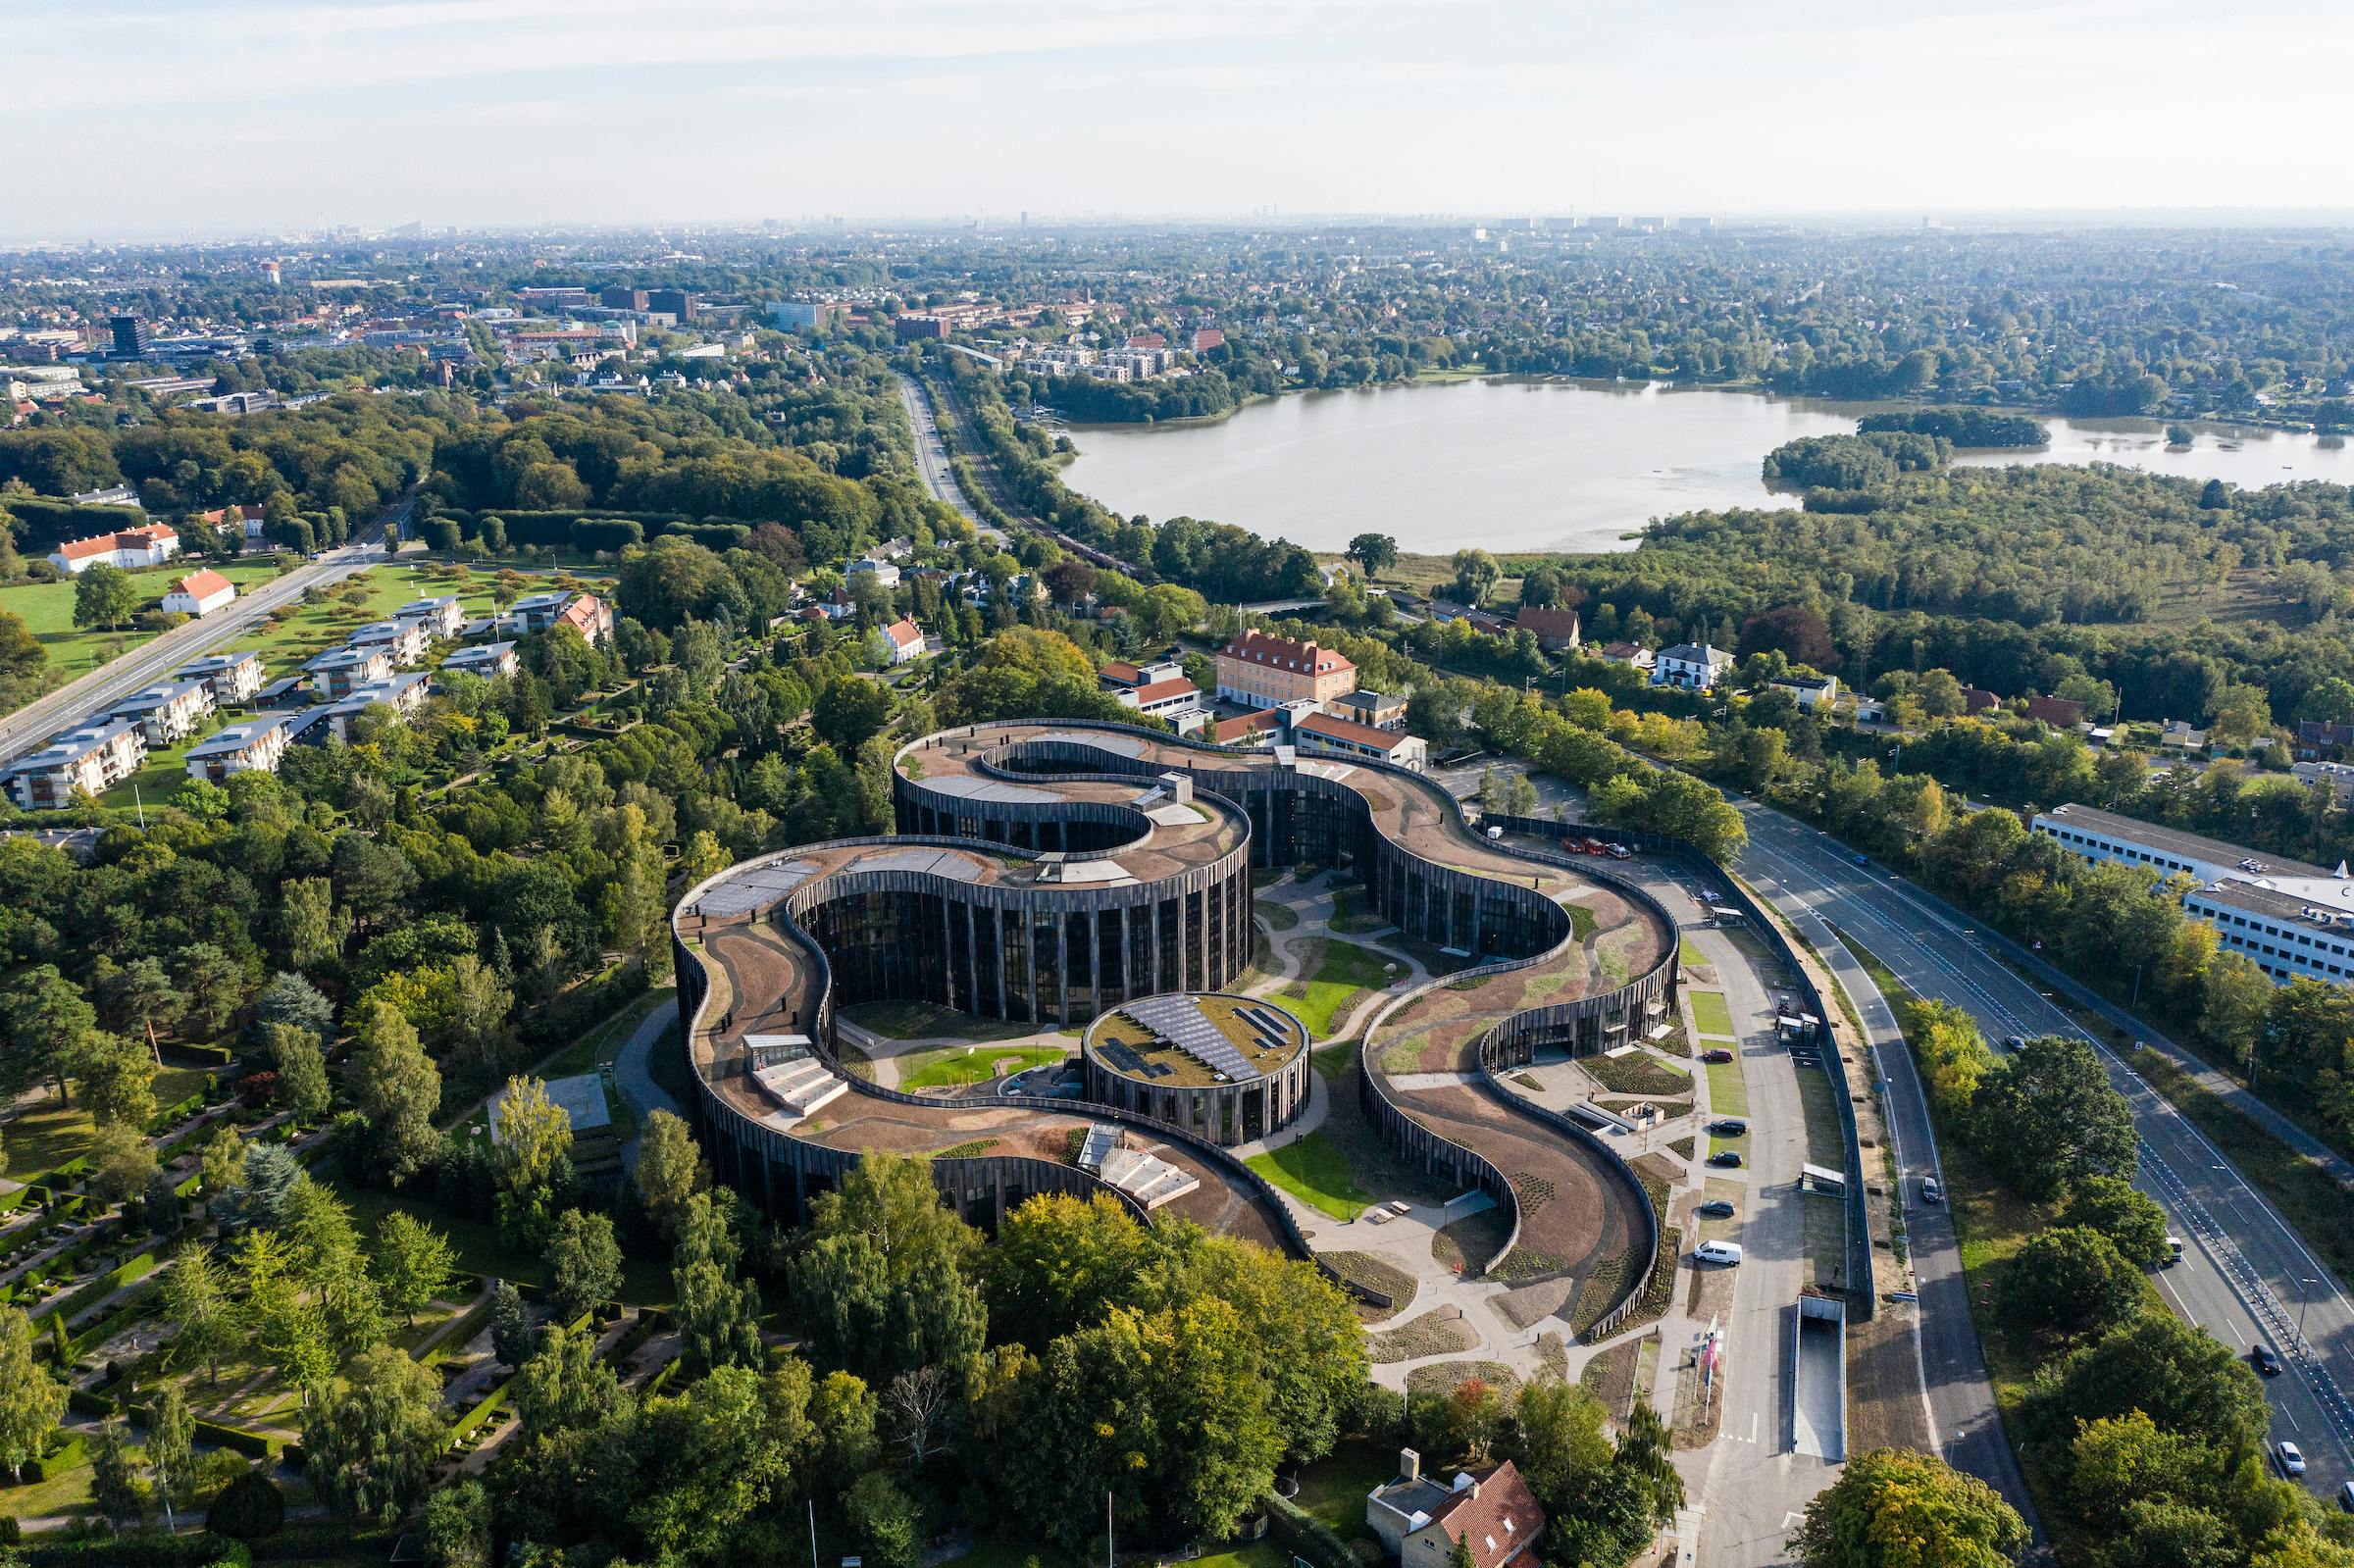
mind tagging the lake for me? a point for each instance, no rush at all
(1509, 464)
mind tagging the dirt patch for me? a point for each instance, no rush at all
(1637, 1074)
(1682, 1147)
(1710, 1294)
(1552, 1354)
(1466, 1244)
(1696, 1422)
(1376, 1273)
(1883, 1384)
(1432, 1333)
(1531, 1303)
(1609, 1374)
(1443, 1378)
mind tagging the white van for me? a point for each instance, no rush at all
(1726, 1252)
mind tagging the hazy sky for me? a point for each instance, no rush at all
(163, 116)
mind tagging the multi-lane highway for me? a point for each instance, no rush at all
(31, 727)
(2245, 1275)
(932, 457)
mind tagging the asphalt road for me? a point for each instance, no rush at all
(2245, 1275)
(33, 725)
(932, 458)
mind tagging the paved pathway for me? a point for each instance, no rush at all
(635, 1079)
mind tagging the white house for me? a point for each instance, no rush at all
(1690, 667)
(1814, 693)
(1321, 732)
(168, 713)
(489, 660)
(234, 678)
(404, 694)
(148, 544)
(882, 571)
(200, 592)
(94, 758)
(1421, 1519)
(442, 617)
(254, 746)
(341, 671)
(402, 642)
(905, 640)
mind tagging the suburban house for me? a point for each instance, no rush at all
(2320, 737)
(882, 571)
(585, 613)
(1690, 667)
(200, 592)
(595, 1143)
(1374, 708)
(1420, 1518)
(234, 678)
(2060, 713)
(1814, 693)
(443, 617)
(904, 640)
(1321, 732)
(340, 671)
(247, 520)
(1975, 700)
(148, 544)
(1259, 671)
(95, 757)
(403, 642)
(167, 714)
(1553, 628)
(404, 694)
(1632, 654)
(489, 660)
(254, 746)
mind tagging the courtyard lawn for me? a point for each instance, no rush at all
(1728, 1094)
(1347, 970)
(48, 1135)
(1314, 1170)
(47, 610)
(953, 1066)
(302, 630)
(1332, 1491)
(1710, 1014)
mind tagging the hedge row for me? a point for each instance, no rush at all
(136, 1548)
(99, 1407)
(1309, 1540)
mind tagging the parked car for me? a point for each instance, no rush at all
(1932, 1190)
(2015, 1043)
(1728, 1127)
(1729, 1253)
(2266, 1359)
(2291, 1457)
(1716, 1056)
(1715, 1208)
(1725, 1157)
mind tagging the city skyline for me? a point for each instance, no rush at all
(271, 116)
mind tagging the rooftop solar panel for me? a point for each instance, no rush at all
(1180, 1021)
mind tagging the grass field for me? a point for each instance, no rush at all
(1314, 1170)
(303, 631)
(1347, 970)
(952, 1066)
(1686, 953)
(1332, 1491)
(47, 1137)
(1709, 1015)
(1729, 1095)
(47, 609)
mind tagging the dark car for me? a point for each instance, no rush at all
(1727, 1157)
(1728, 1127)
(2266, 1359)
(1863, 860)
(1715, 1209)
(1715, 1056)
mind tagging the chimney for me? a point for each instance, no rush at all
(1410, 1465)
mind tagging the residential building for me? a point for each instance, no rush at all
(805, 315)
(287, 692)
(624, 299)
(1691, 667)
(2060, 713)
(339, 672)
(130, 335)
(882, 571)
(585, 613)
(1321, 732)
(1975, 701)
(1814, 693)
(1421, 1519)
(1260, 728)
(1259, 671)
(1554, 627)
(2338, 776)
(167, 714)
(257, 745)
(94, 758)
(1206, 339)
(489, 660)
(403, 693)
(234, 678)
(1631, 654)
(2289, 917)
(679, 304)
(442, 617)
(1120, 675)
(109, 495)
(148, 544)
(2323, 738)
(905, 640)
(199, 594)
(1164, 699)
(404, 642)
(1375, 709)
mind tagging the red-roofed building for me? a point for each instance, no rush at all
(1164, 699)
(906, 640)
(148, 544)
(1553, 628)
(1206, 339)
(1422, 1518)
(1249, 728)
(1975, 701)
(2060, 713)
(1321, 732)
(1259, 671)
(200, 592)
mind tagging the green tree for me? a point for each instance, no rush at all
(139, 997)
(456, 1522)
(32, 1398)
(2047, 1116)
(309, 926)
(295, 1003)
(1892, 1508)
(120, 1162)
(302, 1074)
(118, 1080)
(1374, 553)
(1476, 572)
(249, 1508)
(224, 1160)
(584, 1263)
(196, 1297)
(564, 1384)
(212, 984)
(514, 1338)
(2184, 1377)
(369, 1442)
(2133, 1223)
(718, 1316)
(170, 1442)
(889, 1523)
(1558, 1433)
(413, 1263)
(534, 1160)
(397, 1088)
(113, 1487)
(2236, 995)
(104, 595)
(849, 710)
(47, 1021)
(670, 1169)
(2069, 1284)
